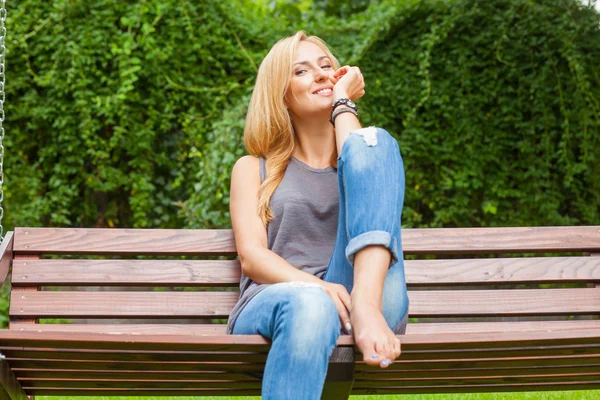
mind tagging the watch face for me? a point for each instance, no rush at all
(351, 103)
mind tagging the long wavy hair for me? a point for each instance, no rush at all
(269, 132)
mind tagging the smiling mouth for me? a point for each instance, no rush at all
(323, 92)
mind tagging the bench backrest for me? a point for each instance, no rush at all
(457, 283)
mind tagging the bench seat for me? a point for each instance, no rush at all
(122, 312)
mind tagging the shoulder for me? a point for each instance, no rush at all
(247, 167)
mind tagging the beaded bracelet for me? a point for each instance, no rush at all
(339, 111)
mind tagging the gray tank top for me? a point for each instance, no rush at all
(304, 228)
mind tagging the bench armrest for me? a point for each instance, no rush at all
(6, 256)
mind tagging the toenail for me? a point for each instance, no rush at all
(374, 356)
(385, 363)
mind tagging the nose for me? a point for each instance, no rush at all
(321, 75)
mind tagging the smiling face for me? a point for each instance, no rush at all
(311, 85)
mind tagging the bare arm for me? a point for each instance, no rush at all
(350, 84)
(344, 124)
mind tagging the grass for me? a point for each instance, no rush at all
(571, 395)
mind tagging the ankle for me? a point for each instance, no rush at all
(365, 300)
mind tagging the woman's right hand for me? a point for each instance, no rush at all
(343, 303)
(348, 82)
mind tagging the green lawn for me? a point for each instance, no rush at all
(573, 395)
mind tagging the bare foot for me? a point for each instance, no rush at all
(372, 336)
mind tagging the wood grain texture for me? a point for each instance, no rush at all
(30, 361)
(398, 382)
(228, 353)
(191, 273)
(223, 375)
(125, 241)
(522, 387)
(52, 272)
(216, 329)
(197, 242)
(430, 303)
(6, 256)
(21, 291)
(577, 338)
(481, 388)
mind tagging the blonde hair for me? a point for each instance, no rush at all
(269, 132)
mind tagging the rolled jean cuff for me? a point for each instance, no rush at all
(371, 238)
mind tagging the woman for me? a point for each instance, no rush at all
(318, 235)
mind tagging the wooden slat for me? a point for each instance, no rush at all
(218, 304)
(436, 343)
(399, 382)
(47, 272)
(372, 376)
(226, 354)
(469, 380)
(195, 242)
(502, 270)
(6, 256)
(138, 392)
(53, 272)
(212, 329)
(484, 388)
(403, 364)
(206, 356)
(248, 356)
(142, 366)
(363, 376)
(125, 241)
(590, 385)
(31, 374)
(140, 385)
(123, 304)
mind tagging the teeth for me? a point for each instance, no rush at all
(323, 91)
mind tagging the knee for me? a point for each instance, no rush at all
(313, 323)
(370, 146)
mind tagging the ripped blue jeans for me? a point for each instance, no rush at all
(300, 318)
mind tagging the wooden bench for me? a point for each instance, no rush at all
(512, 335)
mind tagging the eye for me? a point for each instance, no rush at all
(326, 66)
(299, 71)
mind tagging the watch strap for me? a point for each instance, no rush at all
(345, 101)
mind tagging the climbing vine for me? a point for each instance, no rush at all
(130, 114)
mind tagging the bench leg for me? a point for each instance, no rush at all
(340, 374)
(10, 388)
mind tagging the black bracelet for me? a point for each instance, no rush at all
(339, 111)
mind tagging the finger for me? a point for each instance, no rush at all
(347, 303)
(341, 71)
(344, 317)
(345, 298)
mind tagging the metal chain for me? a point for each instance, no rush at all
(2, 98)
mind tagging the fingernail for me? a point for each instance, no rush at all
(374, 356)
(348, 327)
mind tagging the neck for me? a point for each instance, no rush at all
(315, 141)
